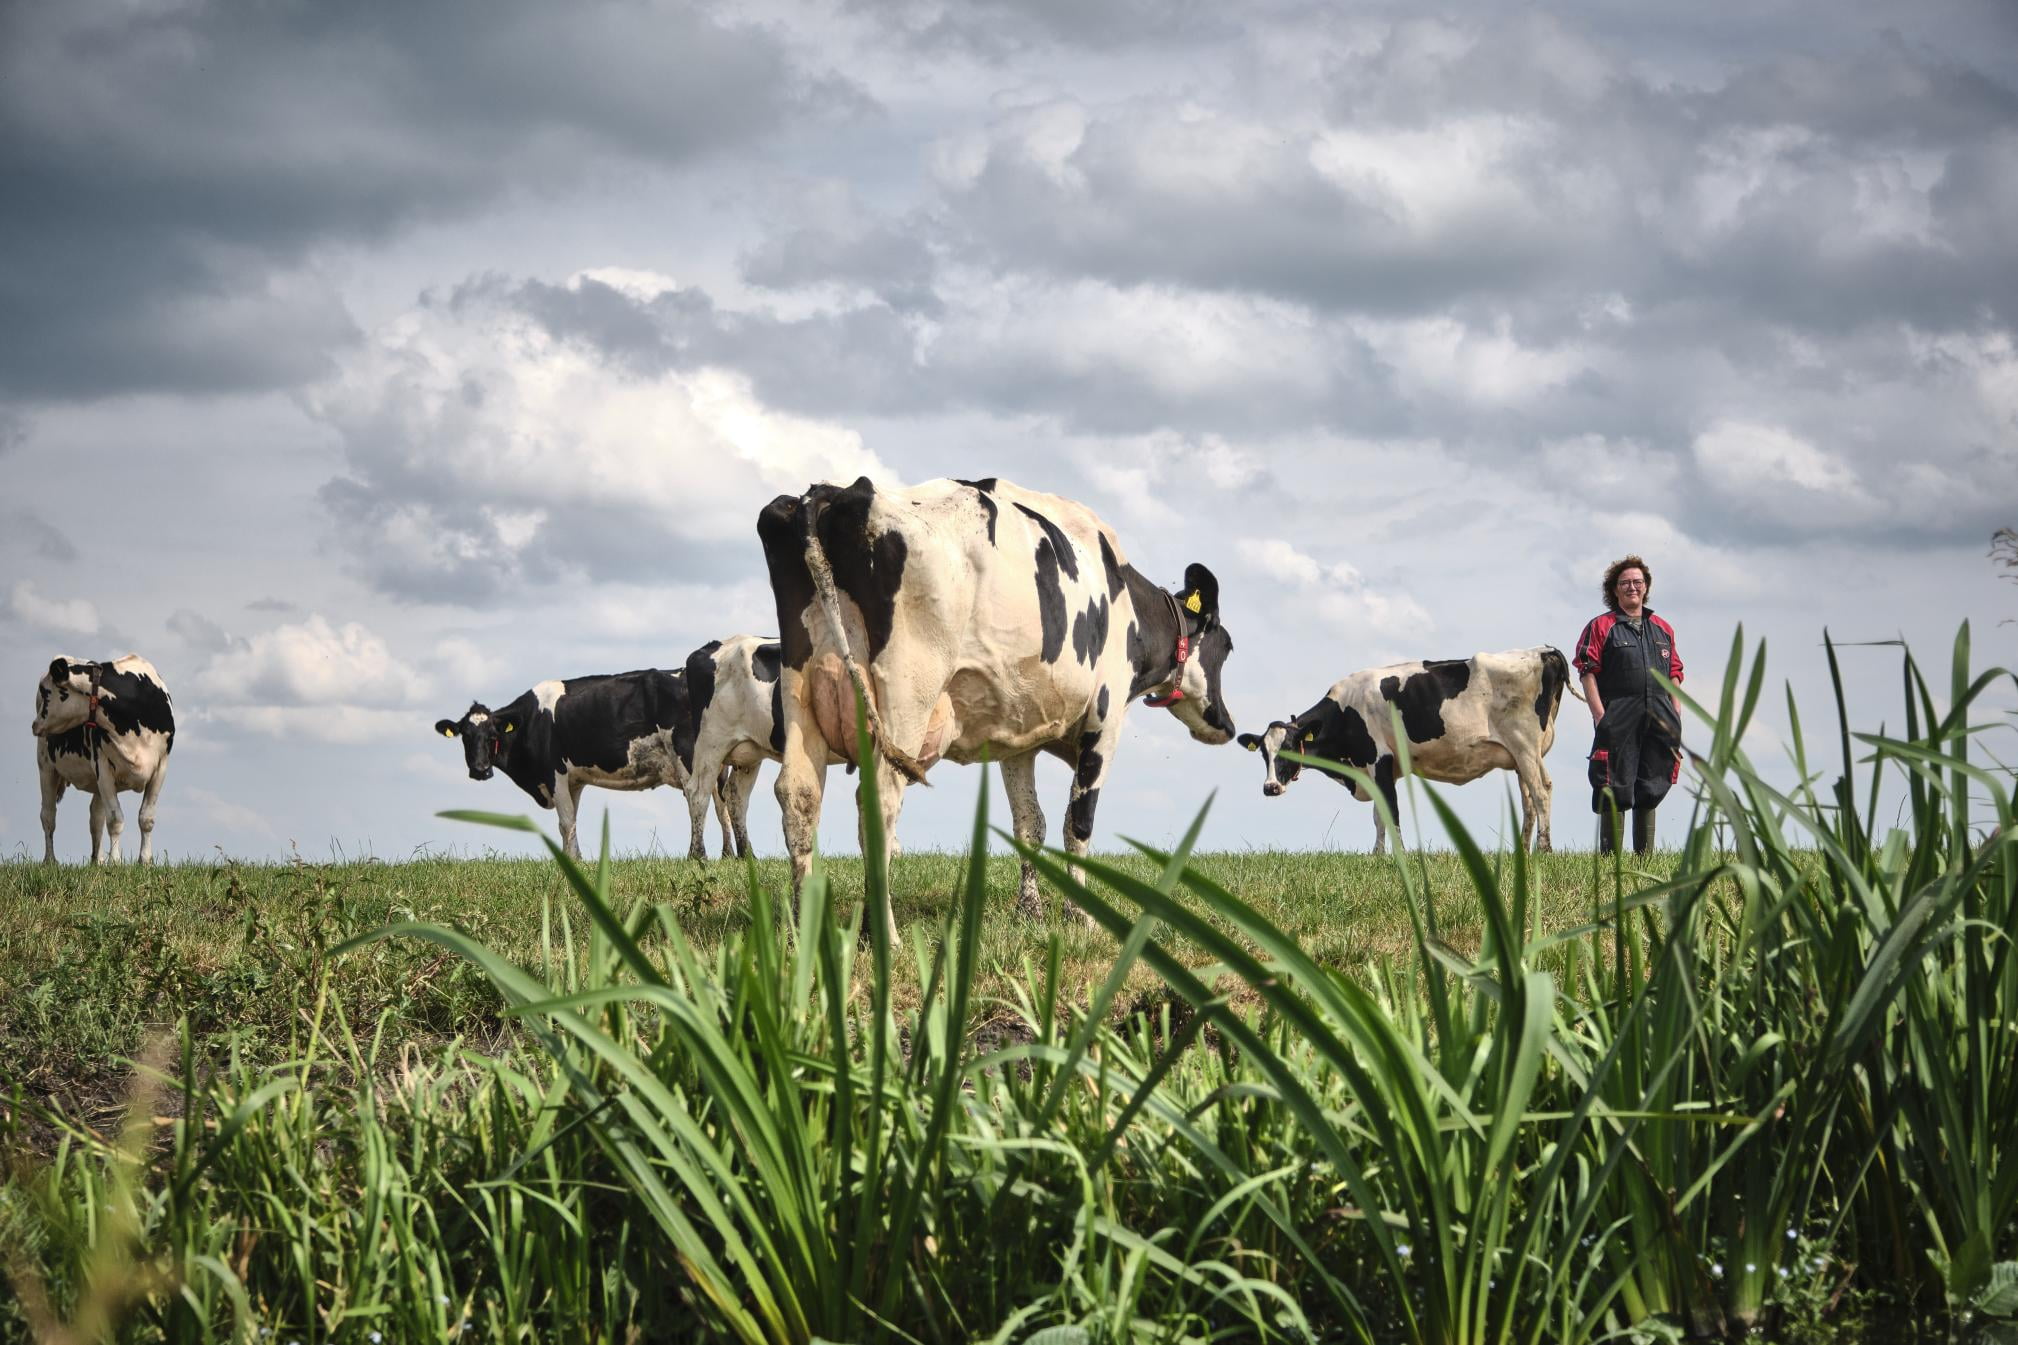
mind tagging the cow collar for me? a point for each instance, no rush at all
(1176, 692)
(91, 716)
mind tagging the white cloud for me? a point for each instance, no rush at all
(309, 665)
(483, 446)
(1773, 473)
(340, 725)
(72, 616)
(1337, 593)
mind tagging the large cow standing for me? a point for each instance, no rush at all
(101, 728)
(974, 616)
(620, 731)
(1463, 717)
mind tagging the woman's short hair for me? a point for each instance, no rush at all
(1620, 566)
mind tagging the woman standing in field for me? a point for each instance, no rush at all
(1636, 752)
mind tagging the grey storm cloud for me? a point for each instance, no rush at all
(170, 168)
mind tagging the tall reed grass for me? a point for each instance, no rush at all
(1782, 1081)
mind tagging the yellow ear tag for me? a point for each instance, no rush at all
(1254, 747)
(448, 733)
(1192, 604)
(511, 728)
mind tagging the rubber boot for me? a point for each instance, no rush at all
(1643, 831)
(1608, 832)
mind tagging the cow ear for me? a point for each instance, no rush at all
(1250, 741)
(445, 727)
(1201, 593)
(59, 671)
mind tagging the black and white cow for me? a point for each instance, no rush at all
(101, 728)
(975, 616)
(1463, 717)
(623, 731)
(733, 688)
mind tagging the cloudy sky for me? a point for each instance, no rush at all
(358, 360)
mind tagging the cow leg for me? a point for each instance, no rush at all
(741, 785)
(52, 790)
(1096, 754)
(1534, 802)
(97, 828)
(567, 799)
(115, 816)
(890, 785)
(802, 780)
(725, 810)
(1019, 781)
(148, 798)
(1383, 776)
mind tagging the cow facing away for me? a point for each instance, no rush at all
(974, 617)
(734, 689)
(623, 731)
(102, 728)
(1463, 717)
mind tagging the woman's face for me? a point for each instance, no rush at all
(1631, 586)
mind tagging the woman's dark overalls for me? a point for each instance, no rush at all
(1636, 750)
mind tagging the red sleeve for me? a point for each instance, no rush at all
(1591, 644)
(1674, 654)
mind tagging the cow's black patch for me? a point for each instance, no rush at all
(1085, 791)
(1061, 545)
(132, 703)
(1213, 648)
(778, 714)
(869, 570)
(1555, 676)
(700, 693)
(1422, 695)
(1112, 564)
(1089, 632)
(70, 743)
(1383, 775)
(781, 527)
(1152, 635)
(1335, 732)
(1100, 706)
(983, 488)
(764, 661)
(1050, 601)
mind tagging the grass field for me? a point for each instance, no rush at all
(1766, 1083)
(94, 960)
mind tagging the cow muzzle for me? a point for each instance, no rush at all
(479, 772)
(1273, 788)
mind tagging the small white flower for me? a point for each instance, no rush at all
(441, 1298)
(1717, 1269)
(1791, 1235)
(1750, 1268)
(374, 1338)
(1783, 1272)
(1401, 1249)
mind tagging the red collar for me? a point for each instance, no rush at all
(1177, 677)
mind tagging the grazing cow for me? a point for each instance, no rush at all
(618, 731)
(1463, 717)
(101, 728)
(974, 616)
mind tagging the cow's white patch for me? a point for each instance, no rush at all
(549, 693)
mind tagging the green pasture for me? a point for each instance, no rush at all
(1765, 1085)
(95, 960)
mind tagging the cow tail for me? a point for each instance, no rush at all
(1560, 667)
(830, 607)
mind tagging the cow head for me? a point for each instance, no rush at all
(487, 738)
(65, 695)
(1202, 706)
(1272, 742)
